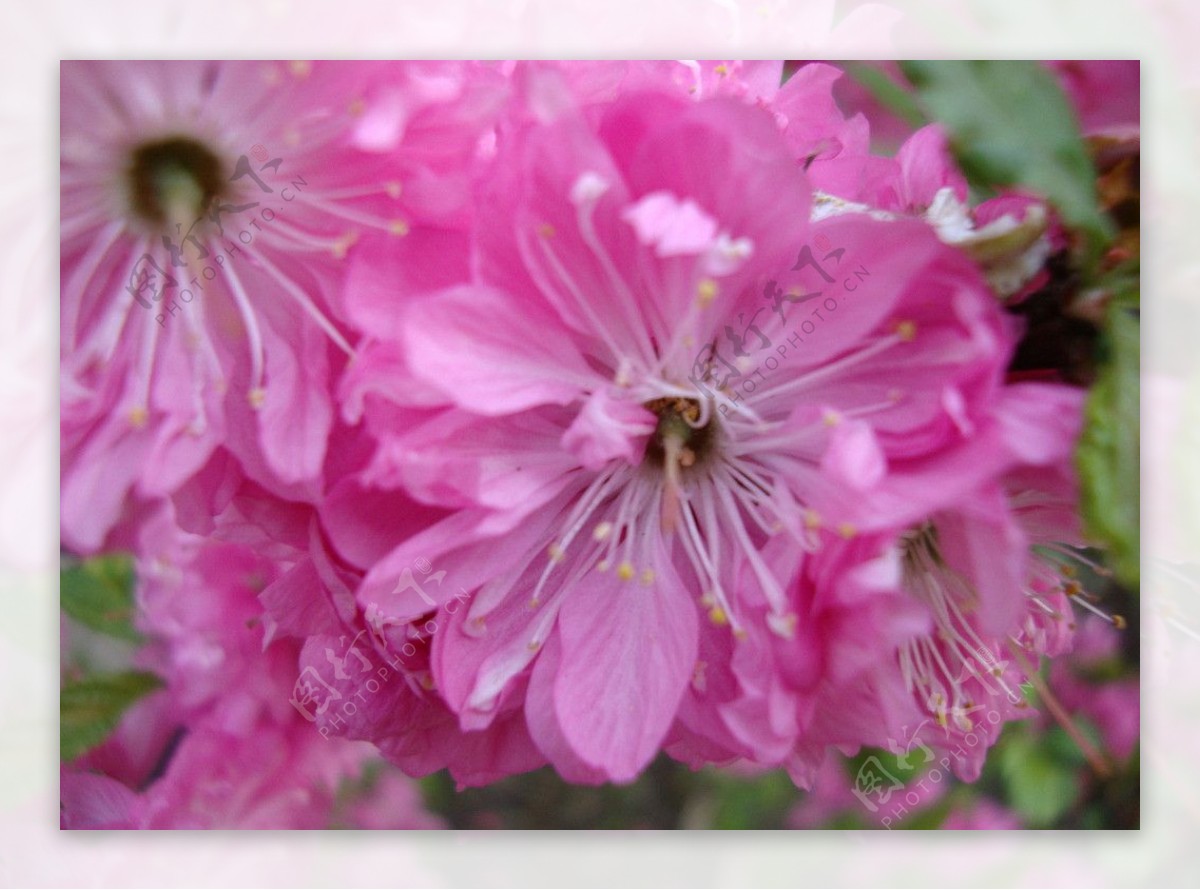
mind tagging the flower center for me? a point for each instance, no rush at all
(678, 439)
(920, 554)
(173, 180)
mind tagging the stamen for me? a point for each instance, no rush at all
(671, 488)
(102, 345)
(720, 612)
(1117, 621)
(770, 586)
(635, 322)
(306, 304)
(596, 492)
(77, 286)
(253, 335)
(145, 373)
(829, 369)
(578, 302)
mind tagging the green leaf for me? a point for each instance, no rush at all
(762, 802)
(91, 708)
(1108, 453)
(98, 593)
(1010, 124)
(1039, 787)
(1059, 745)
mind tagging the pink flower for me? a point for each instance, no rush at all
(206, 209)
(386, 799)
(350, 679)
(565, 413)
(221, 746)
(996, 606)
(596, 407)
(982, 815)
(94, 801)
(1106, 93)
(1010, 236)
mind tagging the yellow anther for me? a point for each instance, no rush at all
(717, 616)
(300, 68)
(706, 291)
(625, 571)
(906, 331)
(831, 418)
(1119, 622)
(847, 530)
(534, 645)
(393, 189)
(343, 244)
(783, 625)
(602, 530)
(721, 69)
(138, 417)
(546, 230)
(398, 227)
(256, 397)
(556, 552)
(812, 519)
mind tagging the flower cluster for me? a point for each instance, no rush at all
(504, 415)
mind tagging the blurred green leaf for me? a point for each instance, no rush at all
(1059, 745)
(1040, 787)
(1108, 453)
(761, 802)
(98, 593)
(91, 708)
(933, 815)
(1010, 124)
